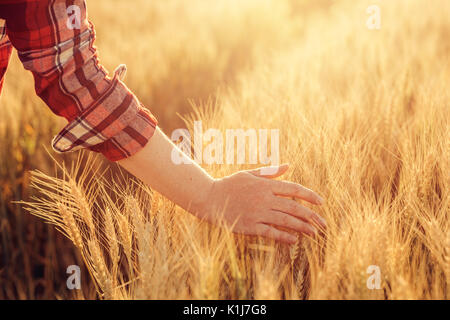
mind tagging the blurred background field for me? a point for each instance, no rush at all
(363, 118)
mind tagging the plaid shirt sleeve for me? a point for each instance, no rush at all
(54, 40)
(5, 52)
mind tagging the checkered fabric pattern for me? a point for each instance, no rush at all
(5, 52)
(55, 41)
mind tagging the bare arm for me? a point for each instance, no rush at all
(248, 201)
(185, 184)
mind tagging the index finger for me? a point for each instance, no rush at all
(291, 189)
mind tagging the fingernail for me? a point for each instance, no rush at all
(313, 231)
(323, 222)
(320, 200)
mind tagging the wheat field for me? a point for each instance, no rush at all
(363, 117)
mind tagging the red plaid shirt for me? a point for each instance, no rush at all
(54, 40)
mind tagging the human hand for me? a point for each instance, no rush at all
(254, 204)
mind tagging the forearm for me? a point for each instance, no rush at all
(250, 203)
(186, 184)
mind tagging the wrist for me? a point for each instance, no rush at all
(203, 205)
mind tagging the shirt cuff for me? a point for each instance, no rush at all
(116, 125)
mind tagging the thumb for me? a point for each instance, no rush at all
(270, 172)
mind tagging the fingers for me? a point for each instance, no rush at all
(290, 189)
(269, 172)
(285, 220)
(275, 234)
(296, 209)
(286, 188)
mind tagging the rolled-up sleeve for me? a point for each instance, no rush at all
(56, 43)
(5, 52)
